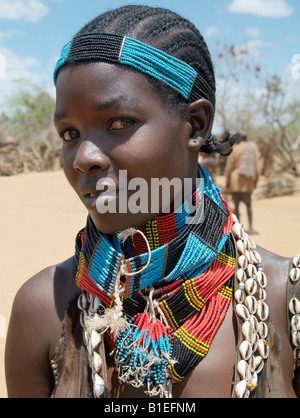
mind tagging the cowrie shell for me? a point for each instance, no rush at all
(254, 342)
(297, 353)
(296, 261)
(237, 230)
(256, 256)
(295, 322)
(256, 364)
(86, 337)
(241, 389)
(96, 304)
(263, 348)
(254, 322)
(240, 246)
(95, 339)
(262, 310)
(245, 350)
(251, 270)
(295, 274)
(252, 243)
(235, 219)
(249, 256)
(262, 330)
(242, 262)
(239, 296)
(241, 275)
(294, 306)
(253, 379)
(250, 286)
(243, 369)
(259, 364)
(83, 316)
(242, 312)
(262, 279)
(82, 301)
(262, 295)
(248, 331)
(98, 386)
(296, 338)
(251, 304)
(97, 362)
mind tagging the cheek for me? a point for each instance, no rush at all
(145, 158)
(157, 146)
(67, 160)
(169, 152)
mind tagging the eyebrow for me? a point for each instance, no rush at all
(58, 116)
(118, 102)
(115, 102)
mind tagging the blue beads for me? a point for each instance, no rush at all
(175, 73)
(136, 349)
(63, 55)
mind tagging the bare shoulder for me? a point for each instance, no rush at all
(34, 329)
(49, 290)
(269, 256)
(276, 268)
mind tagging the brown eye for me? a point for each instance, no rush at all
(70, 135)
(119, 124)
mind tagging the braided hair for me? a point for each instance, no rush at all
(175, 35)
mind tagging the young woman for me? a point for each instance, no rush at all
(181, 303)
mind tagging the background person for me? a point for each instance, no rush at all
(241, 174)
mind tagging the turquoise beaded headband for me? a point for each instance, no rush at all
(128, 51)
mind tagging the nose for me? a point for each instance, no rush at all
(89, 157)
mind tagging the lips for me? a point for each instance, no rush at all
(94, 189)
(104, 188)
(92, 195)
(90, 200)
(98, 201)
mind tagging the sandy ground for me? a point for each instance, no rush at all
(40, 216)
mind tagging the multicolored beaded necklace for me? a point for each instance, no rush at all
(160, 322)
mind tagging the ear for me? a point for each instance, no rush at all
(200, 116)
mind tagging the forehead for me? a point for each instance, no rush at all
(103, 83)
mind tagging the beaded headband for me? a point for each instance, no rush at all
(119, 49)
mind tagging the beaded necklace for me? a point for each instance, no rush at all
(160, 322)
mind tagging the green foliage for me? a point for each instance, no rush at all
(274, 85)
(32, 109)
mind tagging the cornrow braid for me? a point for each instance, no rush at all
(176, 36)
(223, 147)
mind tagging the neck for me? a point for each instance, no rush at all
(161, 229)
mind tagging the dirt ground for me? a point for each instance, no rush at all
(40, 216)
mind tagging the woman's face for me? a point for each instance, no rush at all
(111, 120)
